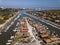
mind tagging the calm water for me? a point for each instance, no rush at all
(6, 35)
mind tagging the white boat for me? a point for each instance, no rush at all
(11, 37)
(17, 24)
(47, 28)
(15, 30)
(8, 43)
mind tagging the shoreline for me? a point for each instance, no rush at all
(8, 22)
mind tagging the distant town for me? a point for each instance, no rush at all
(29, 26)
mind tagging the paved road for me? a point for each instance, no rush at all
(47, 22)
(6, 35)
(51, 27)
(31, 33)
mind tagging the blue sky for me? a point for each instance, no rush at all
(30, 3)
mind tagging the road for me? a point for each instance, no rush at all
(31, 33)
(47, 22)
(5, 36)
(50, 26)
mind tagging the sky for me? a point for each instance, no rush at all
(30, 3)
